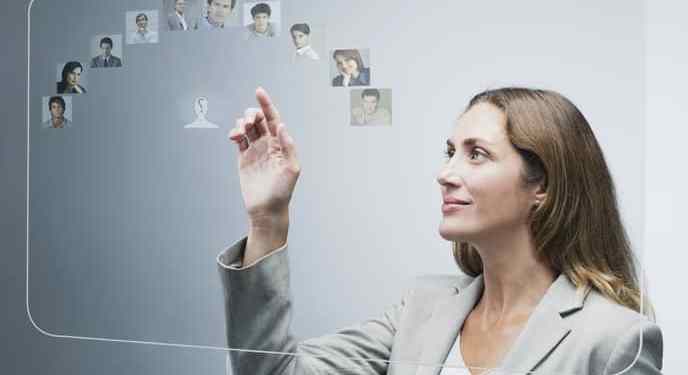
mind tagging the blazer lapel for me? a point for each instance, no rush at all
(444, 324)
(546, 328)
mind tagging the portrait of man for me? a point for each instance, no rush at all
(301, 37)
(217, 15)
(177, 20)
(368, 108)
(143, 29)
(55, 117)
(260, 24)
(201, 110)
(106, 59)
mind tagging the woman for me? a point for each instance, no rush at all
(71, 74)
(530, 207)
(352, 71)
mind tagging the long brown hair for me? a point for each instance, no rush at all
(577, 228)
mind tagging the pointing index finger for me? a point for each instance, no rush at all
(269, 109)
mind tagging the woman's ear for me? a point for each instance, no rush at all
(539, 195)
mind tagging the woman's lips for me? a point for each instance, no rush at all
(453, 207)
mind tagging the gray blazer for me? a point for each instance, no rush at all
(174, 23)
(569, 332)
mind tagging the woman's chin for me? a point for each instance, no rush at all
(452, 233)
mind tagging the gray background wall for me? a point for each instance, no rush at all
(579, 75)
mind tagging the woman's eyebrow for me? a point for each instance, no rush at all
(469, 142)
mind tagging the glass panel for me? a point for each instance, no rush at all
(134, 187)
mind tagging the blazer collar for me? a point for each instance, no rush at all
(545, 330)
(444, 324)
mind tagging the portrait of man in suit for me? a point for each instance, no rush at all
(177, 20)
(106, 59)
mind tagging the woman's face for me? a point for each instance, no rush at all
(350, 66)
(483, 170)
(300, 39)
(74, 76)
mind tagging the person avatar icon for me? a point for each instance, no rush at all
(71, 75)
(217, 13)
(261, 27)
(300, 35)
(142, 34)
(177, 20)
(106, 59)
(57, 120)
(201, 110)
(370, 112)
(352, 71)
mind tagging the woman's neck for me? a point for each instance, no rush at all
(515, 280)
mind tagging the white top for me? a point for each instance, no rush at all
(146, 37)
(67, 123)
(182, 21)
(454, 358)
(306, 52)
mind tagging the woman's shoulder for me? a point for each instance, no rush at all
(433, 284)
(614, 333)
(610, 313)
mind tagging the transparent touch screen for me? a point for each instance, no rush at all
(137, 216)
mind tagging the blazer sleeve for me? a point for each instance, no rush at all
(648, 350)
(258, 318)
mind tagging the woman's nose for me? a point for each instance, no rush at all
(444, 175)
(449, 174)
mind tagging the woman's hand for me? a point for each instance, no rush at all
(268, 167)
(268, 170)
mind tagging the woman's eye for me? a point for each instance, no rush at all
(449, 153)
(476, 153)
